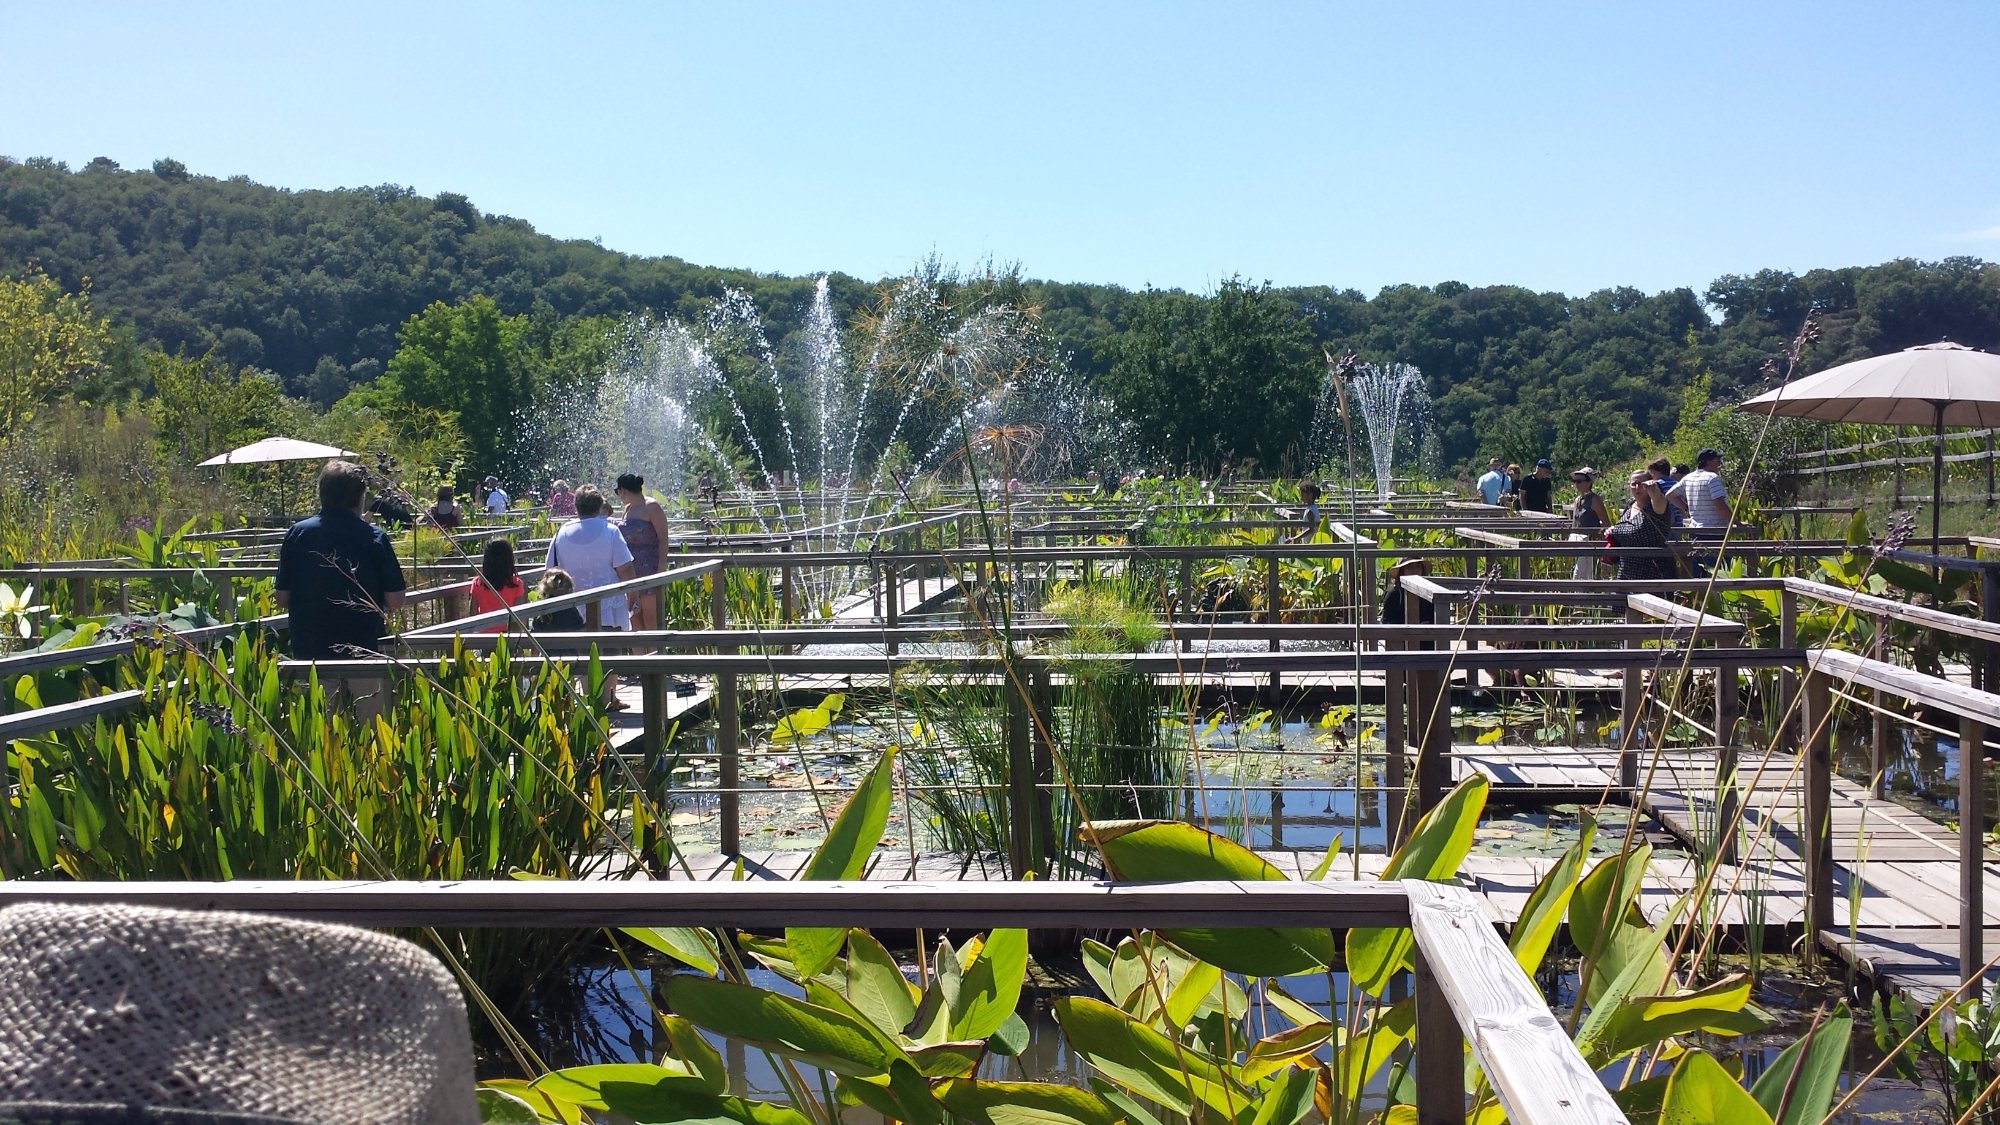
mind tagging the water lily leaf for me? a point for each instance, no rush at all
(1433, 852)
(1161, 852)
(1816, 1060)
(1700, 1092)
(794, 1028)
(1025, 1103)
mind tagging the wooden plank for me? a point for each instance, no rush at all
(1965, 702)
(759, 903)
(1528, 1058)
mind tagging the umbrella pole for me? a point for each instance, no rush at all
(1937, 481)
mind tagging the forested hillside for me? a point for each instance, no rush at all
(315, 287)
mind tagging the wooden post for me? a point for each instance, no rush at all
(1430, 726)
(1271, 615)
(1045, 768)
(1971, 848)
(1989, 610)
(1020, 783)
(729, 803)
(1989, 468)
(1728, 707)
(1631, 717)
(891, 579)
(1882, 730)
(1187, 598)
(1395, 735)
(1364, 594)
(1788, 677)
(652, 746)
(1817, 831)
(1440, 1062)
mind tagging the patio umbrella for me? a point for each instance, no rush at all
(276, 449)
(1937, 385)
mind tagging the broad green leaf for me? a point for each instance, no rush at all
(991, 987)
(902, 1095)
(1543, 913)
(1295, 1009)
(1174, 852)
(696, 1051)
(887, 1038)
(940, 999)
(546, 1108)
(661, 1105)
(844, 855)
(1816, 1060)
(1275, 1052)
(1097, 959)
(807, 1032)
(1011, 1039)
(1190, 991)
(1367, 1052)
(1642, 969)
(1702, 1093)
(1645, 1020)
(692, 947)
(875, 984)
(1433, 852)
(1024, 1103)
(584, 1085)
(1283, 1102)
(949, 1060)
(1142, 1060)
(498, 1107)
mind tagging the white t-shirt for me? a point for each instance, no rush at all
(592, 551)
(1702, 490)
(496, 501)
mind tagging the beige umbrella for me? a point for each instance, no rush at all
(1937, 385)
(276, 449)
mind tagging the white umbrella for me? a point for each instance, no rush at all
(1937, 385)
(276, 449)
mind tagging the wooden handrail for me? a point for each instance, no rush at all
(1469, 990)
(1888, 607)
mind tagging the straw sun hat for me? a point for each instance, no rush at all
(135, 1014)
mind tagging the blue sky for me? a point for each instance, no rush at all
(1559, 146)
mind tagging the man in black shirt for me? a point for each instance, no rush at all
(1538, 491)
(338, 575)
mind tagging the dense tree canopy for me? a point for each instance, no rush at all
(468, 312)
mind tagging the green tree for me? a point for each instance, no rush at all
(204, 407)
(467, 360)
(1211, 380)
(49, 340)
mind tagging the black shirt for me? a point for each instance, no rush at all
(1538, 494)
(337, 569)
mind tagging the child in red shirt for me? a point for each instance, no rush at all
(498, 585)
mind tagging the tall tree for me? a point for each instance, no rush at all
(467, 359)
(1212, 380)
(49, 340)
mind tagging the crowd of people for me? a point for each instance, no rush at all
(1662, 499)
(338, 575)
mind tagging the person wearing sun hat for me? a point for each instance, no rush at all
(1589, 516)
(139, 1015)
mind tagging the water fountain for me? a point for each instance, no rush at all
(1394, 403)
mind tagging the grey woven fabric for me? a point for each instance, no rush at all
(198, 1016)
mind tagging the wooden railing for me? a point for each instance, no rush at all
(1469, 992)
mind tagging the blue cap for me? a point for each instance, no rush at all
(1544, 463)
